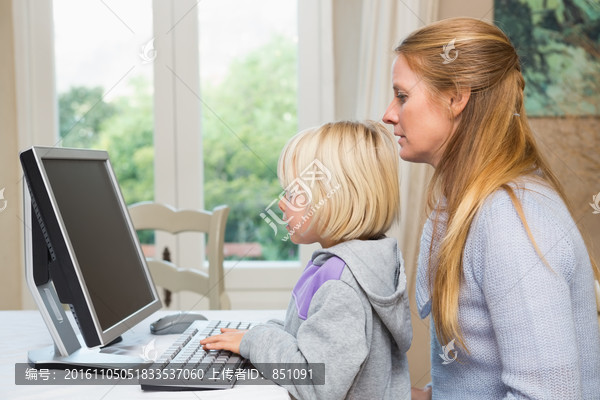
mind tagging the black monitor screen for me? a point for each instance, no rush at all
(104, 248)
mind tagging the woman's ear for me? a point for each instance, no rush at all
(459, 101)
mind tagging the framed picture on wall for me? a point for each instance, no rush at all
(558, 42)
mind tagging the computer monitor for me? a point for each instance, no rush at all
(82, 250)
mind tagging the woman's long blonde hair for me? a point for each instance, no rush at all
(492, 146)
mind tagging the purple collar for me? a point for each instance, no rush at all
(313, 277)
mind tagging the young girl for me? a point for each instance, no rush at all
(349, 309)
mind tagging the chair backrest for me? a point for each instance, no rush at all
(156, 216)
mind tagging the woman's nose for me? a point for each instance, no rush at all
(390, 116)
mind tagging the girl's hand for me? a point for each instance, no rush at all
(229, 339)
(421, 394)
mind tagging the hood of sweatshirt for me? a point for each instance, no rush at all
(378, 268)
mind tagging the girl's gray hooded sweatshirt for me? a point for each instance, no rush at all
(351, 315)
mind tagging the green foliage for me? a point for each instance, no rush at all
(247, 119)
(81, 112)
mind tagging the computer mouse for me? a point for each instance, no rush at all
(174, 323)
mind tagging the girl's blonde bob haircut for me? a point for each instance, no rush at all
(349, 171)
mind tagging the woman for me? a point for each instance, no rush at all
(503, 269)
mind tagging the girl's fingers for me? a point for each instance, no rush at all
(210, 339)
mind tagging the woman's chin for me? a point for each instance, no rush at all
(406, 155)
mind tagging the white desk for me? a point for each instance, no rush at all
(21, 331)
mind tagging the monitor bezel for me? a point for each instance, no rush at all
(102, 336)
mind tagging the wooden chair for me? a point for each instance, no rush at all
(155, 216)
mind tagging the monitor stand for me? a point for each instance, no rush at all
(67, 350)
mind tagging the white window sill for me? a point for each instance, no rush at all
(261, 275)
(261, 264)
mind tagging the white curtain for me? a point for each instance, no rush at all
(384, 24)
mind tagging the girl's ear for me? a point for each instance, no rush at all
(459, 101)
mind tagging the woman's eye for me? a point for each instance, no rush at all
(402, 97)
